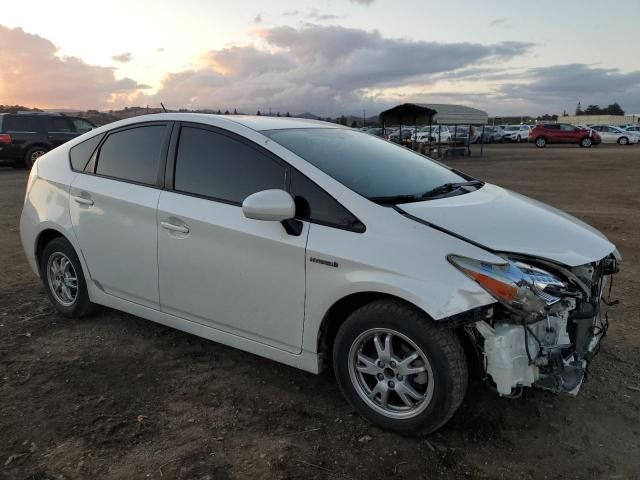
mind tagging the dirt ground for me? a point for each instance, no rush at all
(115, 396)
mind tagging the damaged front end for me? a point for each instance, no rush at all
(546, 327)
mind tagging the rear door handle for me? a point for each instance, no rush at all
(83, 201)
(174, 228)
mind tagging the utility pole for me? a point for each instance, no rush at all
(364, 118)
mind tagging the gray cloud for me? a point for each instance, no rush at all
(258, 18)
(560, 87)
(499, 22)
(122, 57)
(362, 2)
(326, 69)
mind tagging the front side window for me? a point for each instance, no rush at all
(82, 125)
(132, 154)
(219, 167)
(567, 128)
(367, 165)
(316, 205)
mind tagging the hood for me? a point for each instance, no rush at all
(504, 221)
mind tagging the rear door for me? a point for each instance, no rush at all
(59, 129)
(216, 267)
(113, 211)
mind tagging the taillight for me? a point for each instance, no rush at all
(5, 138)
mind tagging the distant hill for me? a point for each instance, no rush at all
(308, 116)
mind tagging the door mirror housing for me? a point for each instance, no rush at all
(272, 205)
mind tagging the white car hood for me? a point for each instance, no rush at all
(504, 221)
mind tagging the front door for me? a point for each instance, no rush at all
(59, 130)
(216, 267)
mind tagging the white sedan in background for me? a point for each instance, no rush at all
(611, 134)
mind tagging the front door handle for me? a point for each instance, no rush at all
(175, 228)
(83, 201)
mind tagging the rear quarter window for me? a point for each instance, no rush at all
(19, 123)
(80, 154)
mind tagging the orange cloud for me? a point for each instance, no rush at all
(31, 74)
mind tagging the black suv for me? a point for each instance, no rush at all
(26, 136)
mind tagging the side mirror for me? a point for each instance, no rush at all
(273, 205)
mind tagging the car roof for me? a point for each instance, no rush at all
(254, 122)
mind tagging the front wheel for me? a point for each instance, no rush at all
(586, 142)
(398, 370)
(541, 142)
(623, 141)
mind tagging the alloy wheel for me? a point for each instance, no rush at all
(62, 279)
(390, 373)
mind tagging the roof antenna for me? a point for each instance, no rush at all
(163, 107)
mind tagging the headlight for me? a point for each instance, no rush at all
(518, 286)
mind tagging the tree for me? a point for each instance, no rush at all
(219, 112)
(593, 110)
(614, 109)
(579, 109)
(287, 114)
(354, 124)
(258, 114)
(226, 112)
(235, 112)
(342, 120)
(277, 114)
(564, 113)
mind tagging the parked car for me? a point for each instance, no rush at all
(406, 133)
(433, 134)
(517, 133)
(545, 133)
(491, 135)
(26, 136)
(374, 131)
(611, 134)
(317, 246)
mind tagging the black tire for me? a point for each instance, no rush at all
(441, 347)
(623, 141)
(32, 155)
(541, 142)
(586, 142)
(519, 139)
(81, 306)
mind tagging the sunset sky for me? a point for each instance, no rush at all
(328, 57)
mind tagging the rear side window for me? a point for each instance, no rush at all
(552, 127)
(19, 123)
(217, 166)
(59, 124)
(81, 153)
(316, 205)
(81, 125)
(133, 154)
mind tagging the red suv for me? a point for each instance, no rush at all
(563, 133)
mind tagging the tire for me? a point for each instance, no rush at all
(441, 385)
(623, 141)
(59, 249)
(541, 142)
(518, 139)
(586, 142)
(32, 155)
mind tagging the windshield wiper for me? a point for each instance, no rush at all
(449, 187)
(395, 199)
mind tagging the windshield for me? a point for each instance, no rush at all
(367, 165)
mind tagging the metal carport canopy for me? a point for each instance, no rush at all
(448, 114)
(407, 114)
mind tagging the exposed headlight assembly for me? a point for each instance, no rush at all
(518, 286)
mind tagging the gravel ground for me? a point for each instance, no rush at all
(115, 396)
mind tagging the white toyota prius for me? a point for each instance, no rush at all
(320, 246)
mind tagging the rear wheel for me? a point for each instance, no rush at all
(61, 273)
(32, 155)
(398, 370)
(623, 140)
(541, 142)
(586, 142)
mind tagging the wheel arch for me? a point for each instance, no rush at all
(340, 311)
(44, 237)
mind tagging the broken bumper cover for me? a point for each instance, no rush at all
(551, 350)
